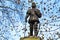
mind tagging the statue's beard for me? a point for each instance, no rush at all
(33, 6)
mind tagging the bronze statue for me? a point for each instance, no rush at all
(33, 15)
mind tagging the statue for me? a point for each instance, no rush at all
(33, 15)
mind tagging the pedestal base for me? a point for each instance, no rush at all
(30, 38)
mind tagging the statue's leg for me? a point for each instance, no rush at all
(31, 29)
(35, 29)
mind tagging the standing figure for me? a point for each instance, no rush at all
(33, 15)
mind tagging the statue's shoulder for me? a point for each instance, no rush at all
(29, 10)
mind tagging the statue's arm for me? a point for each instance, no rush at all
(27, 15)
(38, 13)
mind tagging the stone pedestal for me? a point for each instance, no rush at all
(30, 38)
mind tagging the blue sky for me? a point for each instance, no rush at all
(12, 17)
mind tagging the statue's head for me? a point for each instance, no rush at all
(33, 5)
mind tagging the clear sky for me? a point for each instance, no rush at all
(12, 17)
